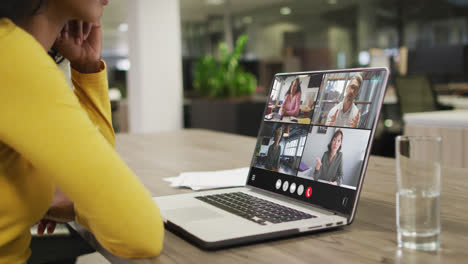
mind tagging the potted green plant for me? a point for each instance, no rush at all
(224, 78)
(225, 91)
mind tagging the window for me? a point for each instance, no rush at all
(275, 89)
(291, 148)
(301, 146)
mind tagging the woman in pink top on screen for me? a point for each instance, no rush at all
(292, 101)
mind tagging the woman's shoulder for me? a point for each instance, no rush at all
(6, 24)
(25, 66)
(21, 49)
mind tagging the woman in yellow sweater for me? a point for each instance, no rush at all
(54, 138)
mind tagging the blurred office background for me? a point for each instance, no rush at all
(151, 48)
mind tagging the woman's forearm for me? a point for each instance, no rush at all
(62, 208)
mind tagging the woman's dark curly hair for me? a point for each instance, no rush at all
(16, 10)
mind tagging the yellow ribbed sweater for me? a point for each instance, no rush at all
(51, 136)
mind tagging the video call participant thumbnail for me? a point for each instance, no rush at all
(292, 101)
(330, 167)
(272, 161)
(346, 113)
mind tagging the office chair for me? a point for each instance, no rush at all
(62, 247)
(415, 94)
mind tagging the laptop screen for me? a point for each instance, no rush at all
(315, 137)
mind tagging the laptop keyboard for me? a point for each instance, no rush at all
(254, 209)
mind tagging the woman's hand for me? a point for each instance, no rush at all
(44, 225)
(61, 211)
(282, 111)
(319, 164)
(81, 43)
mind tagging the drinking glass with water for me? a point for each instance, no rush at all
(418, 192)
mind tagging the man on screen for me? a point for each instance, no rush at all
(274, 152)
(346, 112)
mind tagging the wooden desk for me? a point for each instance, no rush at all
(370, 239)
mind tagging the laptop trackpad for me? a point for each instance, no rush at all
(195, 213)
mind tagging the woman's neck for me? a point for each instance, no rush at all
(332, 156)
(44, 26)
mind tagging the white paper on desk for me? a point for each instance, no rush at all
(203, 180)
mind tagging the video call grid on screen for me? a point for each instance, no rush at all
(306, 113)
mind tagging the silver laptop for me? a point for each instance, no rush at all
(307, 168)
